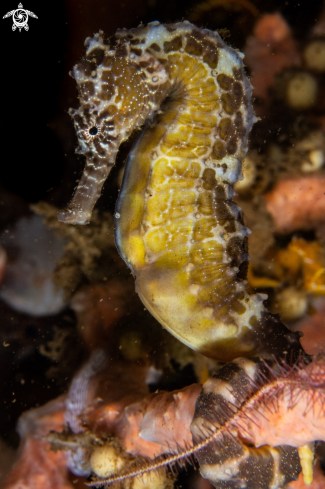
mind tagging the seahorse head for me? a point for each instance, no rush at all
(119, 89)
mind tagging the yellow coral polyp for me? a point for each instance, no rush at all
(303, 259)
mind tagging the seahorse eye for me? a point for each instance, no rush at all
(93, 131)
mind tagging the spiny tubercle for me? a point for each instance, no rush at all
(241, 404)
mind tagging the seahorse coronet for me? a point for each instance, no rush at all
(176, 225)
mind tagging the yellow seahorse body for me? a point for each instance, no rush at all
(168, 229)
(176, 226)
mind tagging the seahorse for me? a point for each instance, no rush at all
(177, 227)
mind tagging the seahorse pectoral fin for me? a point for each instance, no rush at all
(80, 208)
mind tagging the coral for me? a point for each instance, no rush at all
(33, 252)
(317, 483)
(301, 91)
(240, 405)
(82, 261)
(256, 402)
(280, 69)
(311, 151)
(98, 307)
(305, 260)
(297, 276)
(268, 52)
(291, 303)
(37, 466)
(313, 328)
(122, 410)
(297, 204)
(314, 55)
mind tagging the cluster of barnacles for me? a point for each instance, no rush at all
(110, 425)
